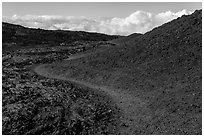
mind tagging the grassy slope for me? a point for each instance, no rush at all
(162, 67)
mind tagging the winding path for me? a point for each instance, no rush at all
(133, 108)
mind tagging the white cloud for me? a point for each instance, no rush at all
(137, 22)
(168, 16)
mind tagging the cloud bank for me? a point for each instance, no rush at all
(137, 22)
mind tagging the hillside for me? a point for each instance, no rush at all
(130, 39)
(162, 68)
(18, 36)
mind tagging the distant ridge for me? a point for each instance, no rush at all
(22, 36)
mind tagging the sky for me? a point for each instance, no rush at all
(120, 18)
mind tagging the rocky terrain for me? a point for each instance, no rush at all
(162, 69)
(61, 82)
(37, 105)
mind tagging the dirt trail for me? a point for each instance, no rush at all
(72, 57)
(133, 108)
(85, 53)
